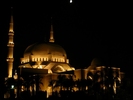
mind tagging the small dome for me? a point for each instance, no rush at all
(94, 63)
(50, 51)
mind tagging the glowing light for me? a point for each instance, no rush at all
(12, 86)
(73, 68)
(49, 71)
(11, 43)
(15, 76)
(119, 79)
(90, 77)
(40, 66)
(104, 87)
(49, 91)
(114, 87)
(22, 88)
(71, 1)
(86, 88)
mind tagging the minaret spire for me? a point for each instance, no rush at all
(10, 46)
(51, 32)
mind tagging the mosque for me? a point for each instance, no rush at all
(48, 60)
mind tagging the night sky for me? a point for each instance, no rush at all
(86, 30)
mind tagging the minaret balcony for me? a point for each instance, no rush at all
(10, 59)
(11, 33)
(10, 44)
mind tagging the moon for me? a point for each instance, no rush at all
(71, 1)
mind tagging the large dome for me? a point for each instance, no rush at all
(45, 51)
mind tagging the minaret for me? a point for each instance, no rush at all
(10, 46)
(51, 32)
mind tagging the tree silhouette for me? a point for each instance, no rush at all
(11, 84)
(32, 81)
(52, 83)
(61, 81)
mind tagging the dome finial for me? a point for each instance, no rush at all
(51, 32)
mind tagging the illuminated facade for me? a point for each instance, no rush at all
(48, 60)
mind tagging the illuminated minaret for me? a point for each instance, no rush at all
(51, 32)
(10, 46)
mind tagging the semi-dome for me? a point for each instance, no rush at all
(45, 52)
